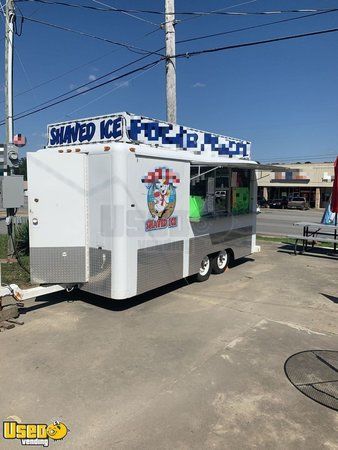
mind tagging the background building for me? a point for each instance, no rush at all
(310, 180)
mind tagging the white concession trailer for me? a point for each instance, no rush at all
(122, 204)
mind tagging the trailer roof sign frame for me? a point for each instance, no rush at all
(126, 127)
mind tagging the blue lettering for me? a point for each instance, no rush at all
(168, 140)
(71, 133)
(87, 131)
(135, 129)
(54, 136)
(241, 147)
(117, 128)
(111, 128)
(152, 131)
(192, 139)
(147, 131)
(104, 129)
(82, 132)
(210, 139)
(67, 137)
(62, 129)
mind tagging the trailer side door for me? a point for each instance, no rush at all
(57, 191)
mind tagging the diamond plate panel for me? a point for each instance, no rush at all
(58, 264)
(159, 265)
(238, 240)
(99, 272)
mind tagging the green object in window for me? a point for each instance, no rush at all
(196, 206)
(240, 200)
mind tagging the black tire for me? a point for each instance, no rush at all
(220, 262)
(205, 270)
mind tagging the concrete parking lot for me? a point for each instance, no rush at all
(191, 366)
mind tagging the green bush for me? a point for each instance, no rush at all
(21, 239)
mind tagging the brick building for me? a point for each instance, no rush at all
(310, 180)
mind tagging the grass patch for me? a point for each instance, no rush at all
(279, 239)
(3, 246)
(285, 240)
(13, 272)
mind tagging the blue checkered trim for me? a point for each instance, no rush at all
(168, 135)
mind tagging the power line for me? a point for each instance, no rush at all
(82, 33)
(254, 43)
(84, 65)
(61, 75)
(221, 11)
(222, 33)
(121, 10)
(39, 109)
(178, 42)
(158, 27)
(187, 54)
(83, 87)
(93, 81)
(16, 50)
(112, 90)
(151, 32)
(112, 8)
(93, 8)
(252, 13)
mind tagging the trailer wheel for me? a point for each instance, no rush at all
(205, 269)
(220, 262)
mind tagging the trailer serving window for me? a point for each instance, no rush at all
(219, 190)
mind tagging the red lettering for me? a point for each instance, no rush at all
(152, 224)
(173, 222)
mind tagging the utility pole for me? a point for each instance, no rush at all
(170, 61)
(9, 48)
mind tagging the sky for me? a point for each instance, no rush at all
(283, 97)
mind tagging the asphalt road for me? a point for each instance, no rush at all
(190, 366)
(269, 221)
(280, 221)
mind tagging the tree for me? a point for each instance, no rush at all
(22, 168)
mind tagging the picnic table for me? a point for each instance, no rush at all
(314, 231)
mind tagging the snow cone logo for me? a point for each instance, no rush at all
(161, 185)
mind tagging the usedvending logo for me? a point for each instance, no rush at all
(34, 433)
(161, 197)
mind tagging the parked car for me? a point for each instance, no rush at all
(298, 203)
(262, 202)
(280, 203)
